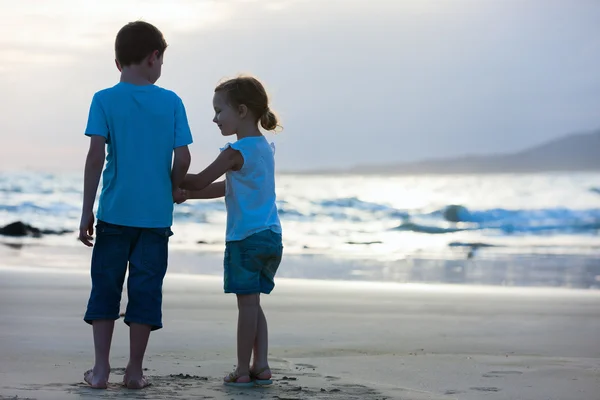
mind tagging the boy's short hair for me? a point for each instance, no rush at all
(136, 40)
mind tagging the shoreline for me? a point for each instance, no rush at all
(337, 284)
(533, 271)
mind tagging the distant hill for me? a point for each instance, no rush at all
(576, 152)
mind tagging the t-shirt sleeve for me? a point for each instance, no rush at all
(183, 135)
(241, 148)
(97, 124)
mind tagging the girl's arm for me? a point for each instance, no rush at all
(229, 159)
(212, 191)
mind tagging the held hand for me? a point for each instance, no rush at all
(179, 196)
(86, 229)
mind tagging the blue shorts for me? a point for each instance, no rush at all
(146, 252)
(251, 264)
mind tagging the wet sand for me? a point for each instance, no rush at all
(329, 340)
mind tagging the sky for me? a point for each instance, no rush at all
(354, 81)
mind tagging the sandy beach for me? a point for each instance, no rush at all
(432, 167)
(329, 340)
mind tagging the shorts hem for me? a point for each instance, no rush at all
(242, 291)
(153, 326)
(89, 319)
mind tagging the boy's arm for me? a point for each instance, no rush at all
(182, 158)
(93, 170)
(229, 159)
(212, 191)
(181, 164)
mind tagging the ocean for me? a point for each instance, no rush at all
(382, 220)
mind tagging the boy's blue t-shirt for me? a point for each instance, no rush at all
(142, 125)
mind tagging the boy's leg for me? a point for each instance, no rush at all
(103, 332)
(109, 264)
(138, 340)
(98, 376)
(147, 269)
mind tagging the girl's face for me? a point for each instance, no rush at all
(226, 117)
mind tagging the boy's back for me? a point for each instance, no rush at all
(142, 124)
(144, 130)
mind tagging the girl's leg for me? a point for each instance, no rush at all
(248, 306)
(260, 364)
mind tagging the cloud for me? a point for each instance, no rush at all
(354, 81)
(32, 29)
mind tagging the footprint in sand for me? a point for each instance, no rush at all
(338, 391)
(306, 366)
(15, 398)
(499, 374)
(452, 391)
(486, 389)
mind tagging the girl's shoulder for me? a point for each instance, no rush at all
(251, 144)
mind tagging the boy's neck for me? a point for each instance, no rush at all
(134, 76)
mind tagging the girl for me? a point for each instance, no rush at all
(253, 247)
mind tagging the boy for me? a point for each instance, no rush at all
(141, 125)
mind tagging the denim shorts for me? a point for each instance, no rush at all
(145, 250)
(250, 264)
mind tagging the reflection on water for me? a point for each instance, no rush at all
(550, 270)
(553, 271)
(537, 270)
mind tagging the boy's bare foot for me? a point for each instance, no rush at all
(96, 380)
(130, 381)
(137, 383)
